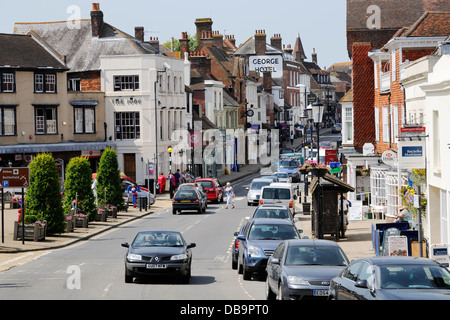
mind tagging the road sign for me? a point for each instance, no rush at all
(15, 177)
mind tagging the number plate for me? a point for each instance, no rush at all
(185, 200)
(320, 293)
(156, 266)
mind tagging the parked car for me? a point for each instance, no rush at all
(283, 177)
(272, 211)
(300, 269)
(188, 200)
(213, 188)
(287, 150)
(337, 128)
(307, 142)
(392, 278)
(326, 145)
(126, 182)
(190, 186)
(234, 255)
(254, 191)
(154, 253)
(259, 239)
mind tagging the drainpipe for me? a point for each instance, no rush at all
(105, 125)
(404, 101)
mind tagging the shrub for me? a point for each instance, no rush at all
(43, 197)
(108, 178)
(78, 186)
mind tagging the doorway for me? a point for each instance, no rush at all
(129, 167)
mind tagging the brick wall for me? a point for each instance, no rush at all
(363, 96)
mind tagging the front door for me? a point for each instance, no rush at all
(129, 161)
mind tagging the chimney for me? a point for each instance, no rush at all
(203, 25)
(276, 41)
(96, 20)
(217, 39)
(288, 49)
(260, 42)
(267, 82)
(139, 33)
(206, 38)
(184, 44)
(154, 41)
(314, 56)
(201, 62)
(231, 39)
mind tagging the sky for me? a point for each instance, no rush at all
(321, 24)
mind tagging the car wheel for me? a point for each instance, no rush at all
(279, 293)
(246, 274)
(174, 211)
(187, 277)
(128, 278)
(270, 295)
(221, 198)
(240, 267)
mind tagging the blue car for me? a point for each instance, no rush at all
(258, 241)
(290, 166)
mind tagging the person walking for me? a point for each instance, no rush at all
(292, 138)
(172, 185)
(229, 192)
(162, 183)
(177, 176)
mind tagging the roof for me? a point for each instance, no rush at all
(339, 184)
(430, 24)
(83, 51)
(25, 52)
(248, 48)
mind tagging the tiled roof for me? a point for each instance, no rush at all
(431, 24)
(83, 51)
(25, 52)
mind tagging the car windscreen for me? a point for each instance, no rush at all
(281, 175)
(257, 185)
(272, 232)
(414, 276)
(206, 184)
(291, 164)
(158, 238)
(186, 194)
(276, 193)
(272, 213)
(314, 255)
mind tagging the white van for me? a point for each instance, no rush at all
(279, 193)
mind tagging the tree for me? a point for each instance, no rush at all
(43, 197)
(78, 186)
(193, 44)
(108, 178)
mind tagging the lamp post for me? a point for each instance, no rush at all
(158, 72)
(317, 109)
(170, 150)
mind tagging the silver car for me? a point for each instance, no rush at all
(283, 177)
(254, 191)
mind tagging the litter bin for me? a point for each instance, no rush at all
(143, 203)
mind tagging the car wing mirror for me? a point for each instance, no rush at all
(361, 284)
(191, 245)
(125, 244)
(274, 261)
(241, 237)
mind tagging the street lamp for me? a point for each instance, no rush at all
(170, 150)
(317, 114)
(158, 72)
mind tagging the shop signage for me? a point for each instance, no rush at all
(389, 157)
(273, 64)
(398, 245)
(412, 154)
(439, 253)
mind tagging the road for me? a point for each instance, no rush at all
(94, 269)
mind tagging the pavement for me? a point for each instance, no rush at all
(358, 241)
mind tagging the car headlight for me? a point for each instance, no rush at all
(294, 280)
(179, 257)
(134, 257)
(253, 251)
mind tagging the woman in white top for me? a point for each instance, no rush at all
(229, 191)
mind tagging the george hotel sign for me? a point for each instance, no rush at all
(273, 64)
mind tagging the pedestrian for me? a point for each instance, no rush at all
(345, 205)
(133, 189)
(172, 184)
(292, 138)
(162, 183)
(177, 176)
(183, 177)
(229, 192)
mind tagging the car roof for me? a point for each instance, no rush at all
(262, 179)
(270, 221)
(312, 242)
(271, 206)
(398, 260)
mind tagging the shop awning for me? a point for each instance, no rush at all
(56, 147)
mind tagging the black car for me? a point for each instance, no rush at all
(300, 269)
(337, 128)
(188, 200)
(158, 253)
(191, 185)
(392, 278)
(257, 242)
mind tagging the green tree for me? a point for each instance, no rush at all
(108, 178)
(43, 197)
(78, 186)
(193, 44)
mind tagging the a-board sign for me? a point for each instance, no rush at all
(439, 253)
(398, 245)
(15, 177)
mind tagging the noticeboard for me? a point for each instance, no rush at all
(15, 177)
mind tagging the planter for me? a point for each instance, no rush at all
(70, 225)
(81, 222)
(102, 216)
(112, 212)
(33, 232)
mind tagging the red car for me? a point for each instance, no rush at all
(213, 189)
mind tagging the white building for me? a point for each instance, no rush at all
(129, 83)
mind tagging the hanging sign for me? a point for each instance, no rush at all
(412, 154)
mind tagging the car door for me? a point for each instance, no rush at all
(346, 287)
(274, 269)
(366, 273)
(242, 245)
